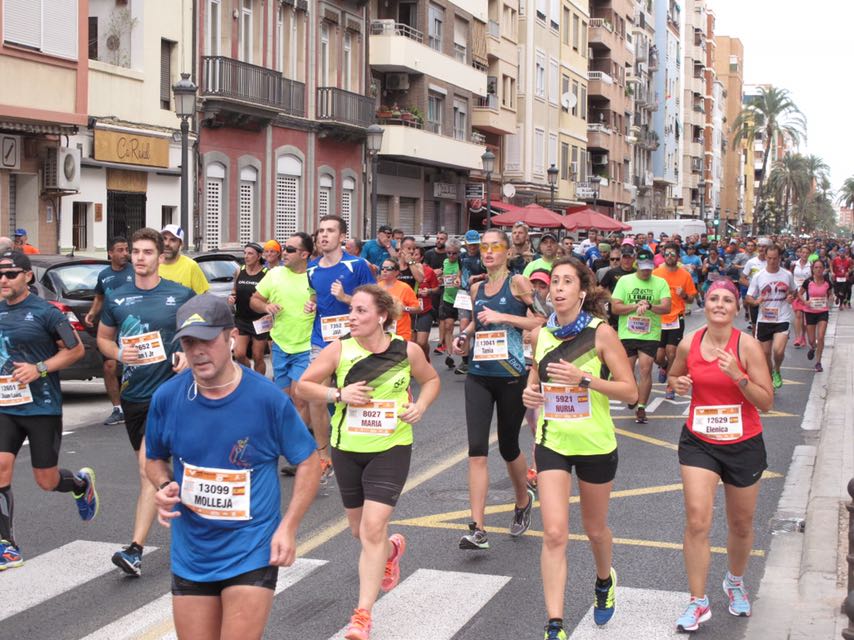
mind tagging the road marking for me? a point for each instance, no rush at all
(770, 414)
(640, 613)
(154, 620)
(454, 598)
(647, 439)
(55, 572)
(657, 402)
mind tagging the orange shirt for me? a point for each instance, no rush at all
(30, 249)
(678, 278)
(404, 294)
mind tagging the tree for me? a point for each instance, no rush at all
(769, 116)
(789, 182)
(846, 193)
(818, 173)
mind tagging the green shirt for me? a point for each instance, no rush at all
(631, 289)
(539, 263)
(450, 269)
(813, 257)
(291, 326)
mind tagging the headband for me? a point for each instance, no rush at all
(724, 283)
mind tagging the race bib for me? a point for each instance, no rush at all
(841, 279)
(332, 327)
(565, 402)
(719, 422)
(149, 345)
(770, 314)
(378, 418)
(217, 494)
(818, 303)
(13, 393)
(528, 351)
(638, 324)
(462, 301)
(448, 280)
(263, 324)
(490, 345)
(669, 326)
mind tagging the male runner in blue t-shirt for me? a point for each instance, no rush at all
(118, 274)
(36, 342)
(223, 504)
(136, 329)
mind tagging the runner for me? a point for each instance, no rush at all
(639, 300)
(842, 266)
(119, 272)
(246, 279)
(724, 371)
(575, 429)
(814, 295)
(752, 266)
(447, 311)
(373, 368)
(136, 329)
(625, 267)
(771, 292)
(272, 254)
(402, 293)
(496, 381)
(801, 271)
(521, 252)
(472, 271)
(548, 254)
(223, 502)
(177, 267)
(380, 248)
(423, 318)
(38, 342)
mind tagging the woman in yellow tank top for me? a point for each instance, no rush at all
(569, 385)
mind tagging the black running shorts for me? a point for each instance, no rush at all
(765, 331)
(740, 464)
(423, 323)
(632, 347)
(136, 413)
(447, 310)
(596, 469)
(814, 318)
(672, 336)
(264, 577)
(44, 433)
(376, 476)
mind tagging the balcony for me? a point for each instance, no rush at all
(602, 85)
(598, 136)
(489, 116)
(233, 87)
(344, 107)
(399, 48)
(426, 147)
(601, 32)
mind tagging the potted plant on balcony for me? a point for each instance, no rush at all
(395, 111)
(417, 115)
(384, 112)
(406, 115)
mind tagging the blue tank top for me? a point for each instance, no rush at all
(505, 338)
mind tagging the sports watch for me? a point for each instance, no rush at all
(41, 367)
(585, 382)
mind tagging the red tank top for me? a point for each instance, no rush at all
(719, 413)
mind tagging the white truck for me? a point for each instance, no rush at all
(684, 227)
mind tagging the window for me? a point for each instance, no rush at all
(564, 89)
(79, 232)
(541, 9)
(293, 54)
(733, 64)
(435, 106)
(573, 168)
(540, 76)
(508, 25)
(281, 58)
(514, 151)
(245, 38)
(167, 215)
(166, 73)
(582, 169)
(575, 95)
(554, 14)
(522, 7)
(93, 37)
(566, 23)
(520, 65)
(461, 29)
(348, 197)
(324, 196)
(246, 205)
(215, 210)
(460, 119)
(288, 175)
(323, 79)
(554, 80)
(347, 62)
(564, 161)
(42, 25)
(583, 102)
(552, 160)
(584, 39)
(539, 150)
(435, 17)
(213, 29)
(576, 32)
(508, 93)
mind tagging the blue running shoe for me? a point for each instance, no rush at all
(554, 632)
(603, 603)
(698, 611)
(87, 502)
(662, 375)
(129, 559)
(739, 604)
(10, 556)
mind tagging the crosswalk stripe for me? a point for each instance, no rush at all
(431, 605)
(55, 572)
(154, 620)
(639, 614)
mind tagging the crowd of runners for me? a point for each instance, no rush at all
(546, 336)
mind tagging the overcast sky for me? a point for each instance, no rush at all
(807, 48)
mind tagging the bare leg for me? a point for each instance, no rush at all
(197, 617)
(819, 349)
(258, 363)
(111, 381)
(740, 507)
(779, 347)
(699, 486)
(594, 517)
(554, 490)
(241, 344)
(146, 510)
(376, 549)
(245, 611)
(644, 377)
(518, 471)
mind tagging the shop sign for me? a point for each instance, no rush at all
(445, 190)
(10, 152)
(474, 191)
(131, 148)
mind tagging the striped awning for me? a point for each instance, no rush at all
(37, 128)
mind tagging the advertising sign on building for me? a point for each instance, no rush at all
(131, 148)
(445, 190)
(474, 191)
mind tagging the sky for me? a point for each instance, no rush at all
(807, 48)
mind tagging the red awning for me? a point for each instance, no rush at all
(589, 219)
(533, 215)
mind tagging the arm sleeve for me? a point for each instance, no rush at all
(200, 283)
(99, 285)
(107, 317)
(753, 289)
(264, 288)
(292, 437)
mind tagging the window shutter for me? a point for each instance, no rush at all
(244, 212)
(214, 212)
(59, 24)
(165, 73)
(22, 21)
(287, 200)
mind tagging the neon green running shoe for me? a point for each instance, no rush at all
(554, 632)
(776, 379)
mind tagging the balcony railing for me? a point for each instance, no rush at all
(489, 101)
(344, 106)
(599, 75)
(598, 128)
(601, 23)
(392, 28)
(229, 78)
(478, 138)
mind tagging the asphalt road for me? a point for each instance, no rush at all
(68, 589)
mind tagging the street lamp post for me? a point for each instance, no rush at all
(595, 180)
(702, 187)
(374, 142)
(552, 175)
(488, 160)
(185, 107)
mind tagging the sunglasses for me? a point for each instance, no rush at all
(289, 249)
(670, 254)
(486, 247)
(388, 268)
(614, 259)
(11, 274)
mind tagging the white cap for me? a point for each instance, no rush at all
(175, 230)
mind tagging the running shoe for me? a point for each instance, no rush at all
(532, 479)
(811, 354)
(669, 394)
(10, 556)
(129, 559)
(87, 502)
(449, 362)
(392, 565)
(116, 417)
(522, 517)
(326, 470)
(640, 415)
(739, 604)
(474, 540)
(776, 379)
(698, 611)
(360, 626)
(463, 369)
(662, 375)
(603, 600)
(818, 367)
(439, 350)
(554, 632)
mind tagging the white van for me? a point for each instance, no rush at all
(684, 227)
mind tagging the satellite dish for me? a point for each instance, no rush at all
(568, 100)
(508, 190)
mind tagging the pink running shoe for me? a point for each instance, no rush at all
(392, 565)
(360, 626)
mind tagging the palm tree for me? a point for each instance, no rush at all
(846, 193)
(769, 116)
(790, 182)
(818, 172)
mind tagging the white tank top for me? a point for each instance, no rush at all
(801, 273)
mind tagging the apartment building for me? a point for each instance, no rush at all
(43, 63)
(647, 102)
(667, 120)
(846, 218)
(729, 68)
(431, 67)
(610, 104)
(694, 108)
(711, 176)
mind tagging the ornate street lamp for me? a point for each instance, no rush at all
(488, 160)
(374, 143)
(185, 106)
(595, 180)
(552, 172)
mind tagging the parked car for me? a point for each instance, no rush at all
(68, 283)
(219, 268)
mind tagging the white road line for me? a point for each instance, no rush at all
(431, 605)
(157, 614)
(657, 402)
(55, 572)
(641, 614)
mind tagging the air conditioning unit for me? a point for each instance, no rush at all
(599, 158)
(62, 169)
(397, 82)
(384, 27)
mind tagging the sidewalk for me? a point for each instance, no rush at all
(806, 571)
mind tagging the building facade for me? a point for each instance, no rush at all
(694, 92)
(710, 180)
(667, 121)
(647, 102)
(729, 68)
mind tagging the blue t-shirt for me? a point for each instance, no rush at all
(374, 252)
(248, 429)
(470, 265)
(351, 271)
(696, 262)
(28, 333)
(110, 280)
(136, 311)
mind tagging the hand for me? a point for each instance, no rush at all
(283, 548)
(424, 293)
(642, 307)
(413, 412)
(274, 309)
(488, 316)
(309, 307)
(89, 319)
(356, 393)
(129, 354)
(728, 364)
(532, 398)
(457, 282)
(681, 385)
(182, 361)
(166, 500)
(25, 373)
(680, 291)
(564, 372)
(460, 345)
(232, 299)
(337, 291)
(477, 278)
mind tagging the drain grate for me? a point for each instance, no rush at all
(783, 524)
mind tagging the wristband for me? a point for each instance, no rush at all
(163, 485)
